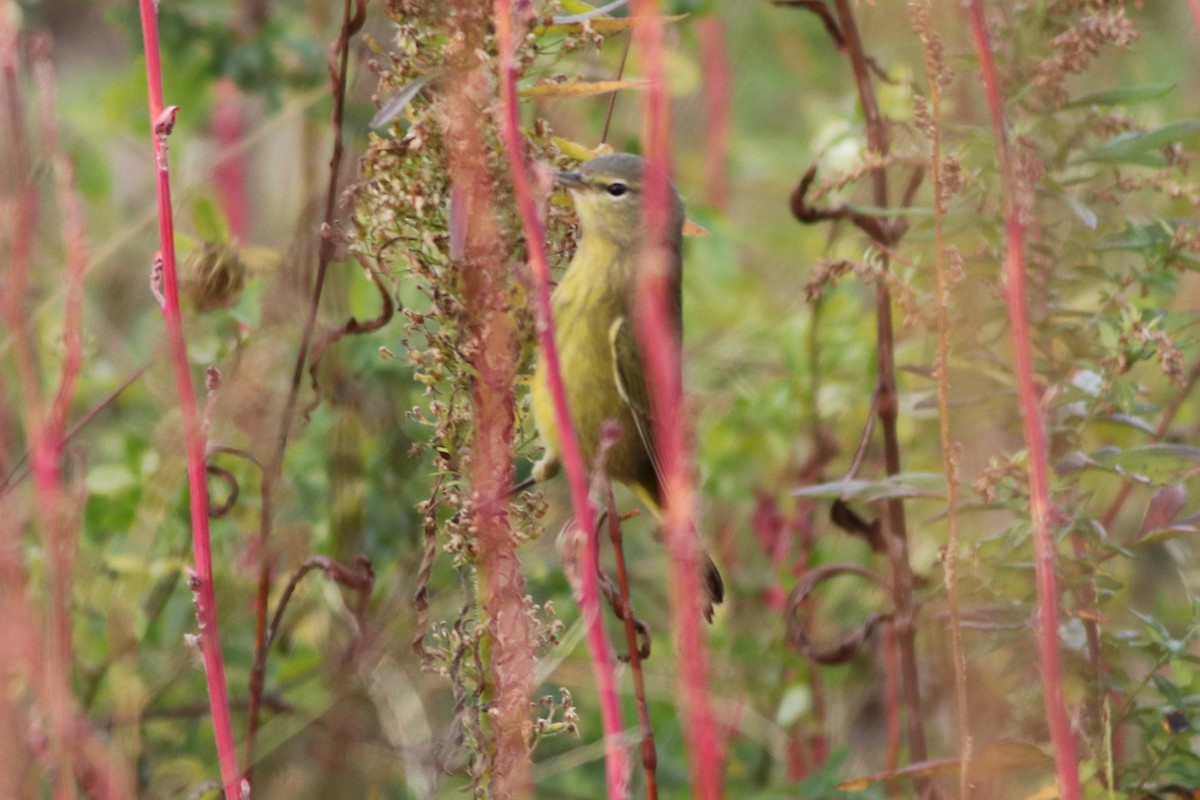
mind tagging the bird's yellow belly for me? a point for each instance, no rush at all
(586, 357)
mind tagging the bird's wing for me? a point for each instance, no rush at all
(630, 376)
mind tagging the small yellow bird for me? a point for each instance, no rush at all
(594, 307)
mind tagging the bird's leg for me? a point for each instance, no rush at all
(545, 469)
(521, 486)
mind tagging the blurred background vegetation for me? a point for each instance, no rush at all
(780, 367)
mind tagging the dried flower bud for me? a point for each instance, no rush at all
(213, 276)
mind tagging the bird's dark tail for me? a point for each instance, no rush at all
(714, 587)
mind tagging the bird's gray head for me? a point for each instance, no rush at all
(609, 191)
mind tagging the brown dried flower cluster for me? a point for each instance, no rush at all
(1072, 50)
(436, 202)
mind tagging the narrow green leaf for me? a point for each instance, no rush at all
(1124, 96)
(906, 484)
(1141, 147)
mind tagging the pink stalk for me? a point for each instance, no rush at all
(501, 583)
(775, 540)
(1195, 6)
(616, 759)
(714, 62)
(663, 371)
(1061, 738)
(47, 445)
(73, 754)
(161, 121)
(229, 173)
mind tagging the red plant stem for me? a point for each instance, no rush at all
(75, 757)
(616, 759)
(229, 173)
(47, 448)
(714, 62)
(891, 694)
(649, 752)
(510, 657)
(1195, 6)
(659, 340)
(50, 668)
(161, 122)
(1062, 740)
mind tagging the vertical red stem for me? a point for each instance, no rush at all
(229, 173)
(891, 703)
(47, 446)
(714, 61)
(161, 122)
(1063, 741)
(510, 661)
(616, 759)
(42, 662)
(663, 369)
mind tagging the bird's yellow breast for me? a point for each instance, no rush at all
(590, 297)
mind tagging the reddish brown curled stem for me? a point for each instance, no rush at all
(161, 121)
(843, 30)
(1063, 741)
(616, 759)
(660, 347)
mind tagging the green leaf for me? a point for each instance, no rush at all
(1138, 236)
(1141, 147)
(1124, 96)
(906, 484)
(109, 479)
(1159, 464)
(796, 702)
(209, 221)
(1085, 214)
(1166, 534)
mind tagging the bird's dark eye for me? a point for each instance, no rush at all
(616, 189)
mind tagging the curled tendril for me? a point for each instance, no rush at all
(231, 483)
(798, 619)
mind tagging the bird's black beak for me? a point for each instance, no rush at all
(568, 180)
